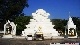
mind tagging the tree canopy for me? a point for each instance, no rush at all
(21, 21)
(10, 9)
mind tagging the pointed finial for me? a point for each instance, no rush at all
(8, 21)
(69, 14)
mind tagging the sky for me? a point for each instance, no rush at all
(58, 9)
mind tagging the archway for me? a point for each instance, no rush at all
(72, 32)
(8, 29)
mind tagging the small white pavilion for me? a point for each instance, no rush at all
(70, 29)
(9, 29)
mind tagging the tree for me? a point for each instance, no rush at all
(59, 24)
(10, 9)
(21, 21)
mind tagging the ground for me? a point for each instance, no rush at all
(25, 42)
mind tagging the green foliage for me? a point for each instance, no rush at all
(10, 9)
(59, 24)
(21, 21)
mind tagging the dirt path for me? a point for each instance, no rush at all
(44, 42)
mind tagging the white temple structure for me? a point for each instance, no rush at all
(9, 29)
(40, 25)
(70, 29)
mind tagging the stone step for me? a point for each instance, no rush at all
(7, 36)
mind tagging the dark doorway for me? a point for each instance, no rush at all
(39, 37)
(71, 30)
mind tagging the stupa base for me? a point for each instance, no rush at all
(73, 37)
(7, 36)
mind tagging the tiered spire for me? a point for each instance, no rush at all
(70, 22)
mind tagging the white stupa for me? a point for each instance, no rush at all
(70, 29)
(40, 24)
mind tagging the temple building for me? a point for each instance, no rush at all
(70, 29)
(40, 26)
